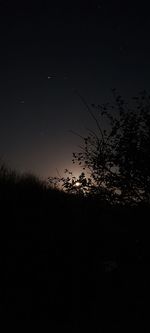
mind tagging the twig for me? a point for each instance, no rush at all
(90, 112)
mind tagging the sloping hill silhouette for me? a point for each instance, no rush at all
(69, 260)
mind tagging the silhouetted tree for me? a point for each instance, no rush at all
(116, 156)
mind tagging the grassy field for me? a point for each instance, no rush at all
(69, 260)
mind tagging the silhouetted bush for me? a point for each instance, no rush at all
(116, 156)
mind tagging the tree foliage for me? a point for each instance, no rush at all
(116, 156)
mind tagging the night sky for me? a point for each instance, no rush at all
(48, 50)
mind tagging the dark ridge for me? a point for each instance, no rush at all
(70, 261)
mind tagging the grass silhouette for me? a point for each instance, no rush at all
(70, 260)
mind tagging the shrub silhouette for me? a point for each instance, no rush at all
(116, 156)
(16, 186)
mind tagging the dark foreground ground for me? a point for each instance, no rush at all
(72, 263)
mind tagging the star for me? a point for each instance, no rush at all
(21, 101)
(51, 76)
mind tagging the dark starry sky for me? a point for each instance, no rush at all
(48, 50)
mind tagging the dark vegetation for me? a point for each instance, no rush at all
(75, 260)
(116, 156)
